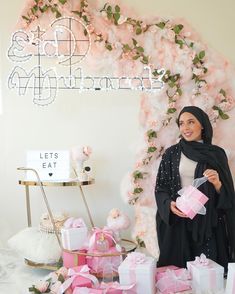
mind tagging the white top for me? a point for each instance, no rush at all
(186, 169)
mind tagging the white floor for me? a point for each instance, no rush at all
(15, 276)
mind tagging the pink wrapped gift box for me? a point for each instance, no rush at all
(140, 270)
(73, 259)
(74, 234)
(98, 263)
(106, 232)
(207, 275)
(172, 281)
(191, 201)
(78, 277)
(162, 269)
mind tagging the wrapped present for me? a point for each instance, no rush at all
(74, 234)
(138, 269)
(78, 277)
(163, 269)
(115, 288)
(230, 285)
(72, 259)
(98, 263)
(172, 281)
(191, 201)
(106, 235)
(207, 275)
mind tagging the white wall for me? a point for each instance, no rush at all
(108, 122)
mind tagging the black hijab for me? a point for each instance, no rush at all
(211, 156)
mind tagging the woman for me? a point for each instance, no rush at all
(180, 238)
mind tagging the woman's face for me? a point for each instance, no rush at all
(190, 127)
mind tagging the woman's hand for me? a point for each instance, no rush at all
(213, 177)
(175, 210)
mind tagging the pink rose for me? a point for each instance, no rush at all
(42, 286)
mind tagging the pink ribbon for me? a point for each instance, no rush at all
(107, 232)
(83, 272)
(135, 258)
(115, 285)
(173, 282)
(74, 223)
(201, 260)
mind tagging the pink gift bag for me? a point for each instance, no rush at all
(191, 201)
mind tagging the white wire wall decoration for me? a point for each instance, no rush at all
(66, 42)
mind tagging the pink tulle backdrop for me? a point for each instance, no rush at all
(196, 75)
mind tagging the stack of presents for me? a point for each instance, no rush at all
(94, 262)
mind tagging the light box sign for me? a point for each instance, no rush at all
(51, 165)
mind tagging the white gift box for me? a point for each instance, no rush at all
(230, 285)
(206, 278)
(73, 238)
(143, 275)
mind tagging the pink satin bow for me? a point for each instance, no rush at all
(74, 223)
(201, 260)
(83, 272)
(136, 258)
(106, 231)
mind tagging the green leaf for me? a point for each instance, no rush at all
(191, 45)
(201, 54)
(215, 107)
(61, 278)
(126, 48)
(140, 49)
(77, 12)
(34, 9)
(117, 8)
(136, 57)
(63, 1)
(171, 110)
(116, 17)
(25, 17)
(138, 175)
(58, 14)
(196, 60)
(109, 15)
(161, 24)
(179, 42)
(179, 91)
(145, 59)
(134, 42)
(151, 134)
(109, 9)
(36, 1)
(151, 149)
(171, 84)
(222, 92)
(109, 46)
(224, 116)
(44, 8)
(138, 31)
(178, 28)
(138, 190)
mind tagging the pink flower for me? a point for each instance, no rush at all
(42, 286)
(198, 71)
(90, 28)
(170, 35)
